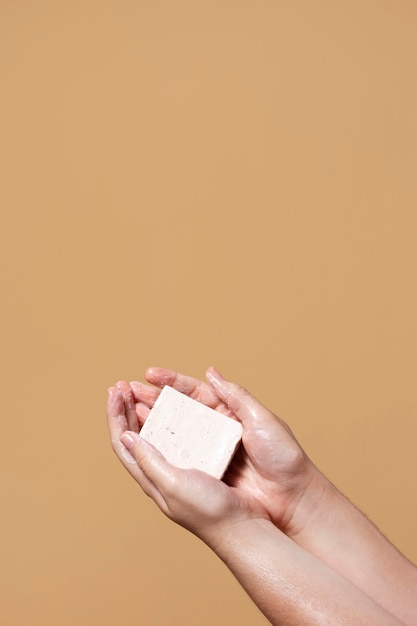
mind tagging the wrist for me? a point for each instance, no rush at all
(229, 536)
(312, 505)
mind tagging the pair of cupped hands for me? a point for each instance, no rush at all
(270, 477)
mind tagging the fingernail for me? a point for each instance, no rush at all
(127, 440)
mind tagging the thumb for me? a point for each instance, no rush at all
(155, 475)
(249, 410)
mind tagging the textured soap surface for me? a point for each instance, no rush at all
(190, 434)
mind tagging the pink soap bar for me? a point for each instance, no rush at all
(190, 434)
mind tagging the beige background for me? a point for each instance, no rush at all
(188, 183)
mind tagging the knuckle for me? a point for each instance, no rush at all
(171, 486)
(243, 392)
(239, 391)
(144, 463)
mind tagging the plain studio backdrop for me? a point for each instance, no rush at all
(188, 183)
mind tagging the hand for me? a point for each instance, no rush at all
(270, 465)
(191, 498)
(271, 479)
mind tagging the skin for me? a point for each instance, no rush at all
(273, 491)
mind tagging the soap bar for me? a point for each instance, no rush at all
(191, 435)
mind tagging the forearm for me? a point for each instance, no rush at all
(344, 538)
(289, 585)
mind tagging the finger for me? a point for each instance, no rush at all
(149, 460)
(155, 475)
(129, 462)
(249, 410)
(118, 424)
(149, 488)
(144, 393)
(116, 417)
(142, 412)
(192, 387)
(129, 401)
